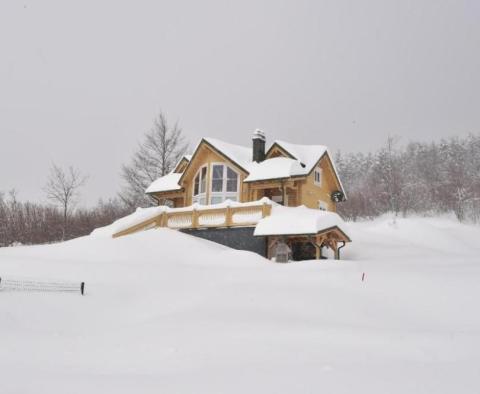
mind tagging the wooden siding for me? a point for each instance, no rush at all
(206, 156)
(277, 151)
(311, 194)
(300, 191)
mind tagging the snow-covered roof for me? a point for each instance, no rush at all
(184, 157)
(309, 155)
(168, 182)
(298, 221)
(303, 160)
(277, 167)
(237, 153)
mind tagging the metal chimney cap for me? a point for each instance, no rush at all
(258, 134)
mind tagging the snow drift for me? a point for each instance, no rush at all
(169, 313)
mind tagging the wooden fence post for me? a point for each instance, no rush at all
(228, 217)
(194, 218)
(266, 208)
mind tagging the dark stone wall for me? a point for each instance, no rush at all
(237, 238)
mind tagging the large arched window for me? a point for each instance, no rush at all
(200, 186)
(224, 185)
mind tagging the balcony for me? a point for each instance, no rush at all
(227, 214)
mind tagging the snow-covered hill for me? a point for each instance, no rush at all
(168, 313)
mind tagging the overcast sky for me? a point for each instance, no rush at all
(80, 82)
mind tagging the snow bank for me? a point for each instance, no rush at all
(298, 220)
(165, 312)
(139, 216)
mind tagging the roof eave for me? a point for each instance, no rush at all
(296, 177)
(167, 191)
(309, 234)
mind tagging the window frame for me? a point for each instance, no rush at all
(197, 198)
(319, 171)
(224, 194)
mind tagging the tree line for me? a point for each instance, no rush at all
(30, 223)
(60, 219)
(416, 178)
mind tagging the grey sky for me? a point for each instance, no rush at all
(80, 82)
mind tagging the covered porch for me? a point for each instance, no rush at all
(309, 246)
(283, 192)
(173, 199)
(302, 233)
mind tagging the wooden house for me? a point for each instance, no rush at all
(289, 174)
(224, 179)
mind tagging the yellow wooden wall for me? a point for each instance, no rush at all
(206, 155)
(310, 193)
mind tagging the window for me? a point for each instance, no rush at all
(318, 176)
(224, 184)
(199, 186)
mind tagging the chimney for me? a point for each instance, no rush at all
(258, 145)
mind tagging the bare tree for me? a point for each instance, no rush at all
(63, 188)
(162, 147)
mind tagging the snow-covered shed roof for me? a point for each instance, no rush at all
(166, 183)
(299, 221)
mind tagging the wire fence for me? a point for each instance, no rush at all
(32, 285)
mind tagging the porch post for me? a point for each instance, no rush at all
(194, 218)
(335, 249)
(228, 217)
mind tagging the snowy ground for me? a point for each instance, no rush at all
(167, 313)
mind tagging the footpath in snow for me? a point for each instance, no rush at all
(168, 313)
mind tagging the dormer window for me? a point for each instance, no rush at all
(224, 185)
(200, 186)
(318, 176)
